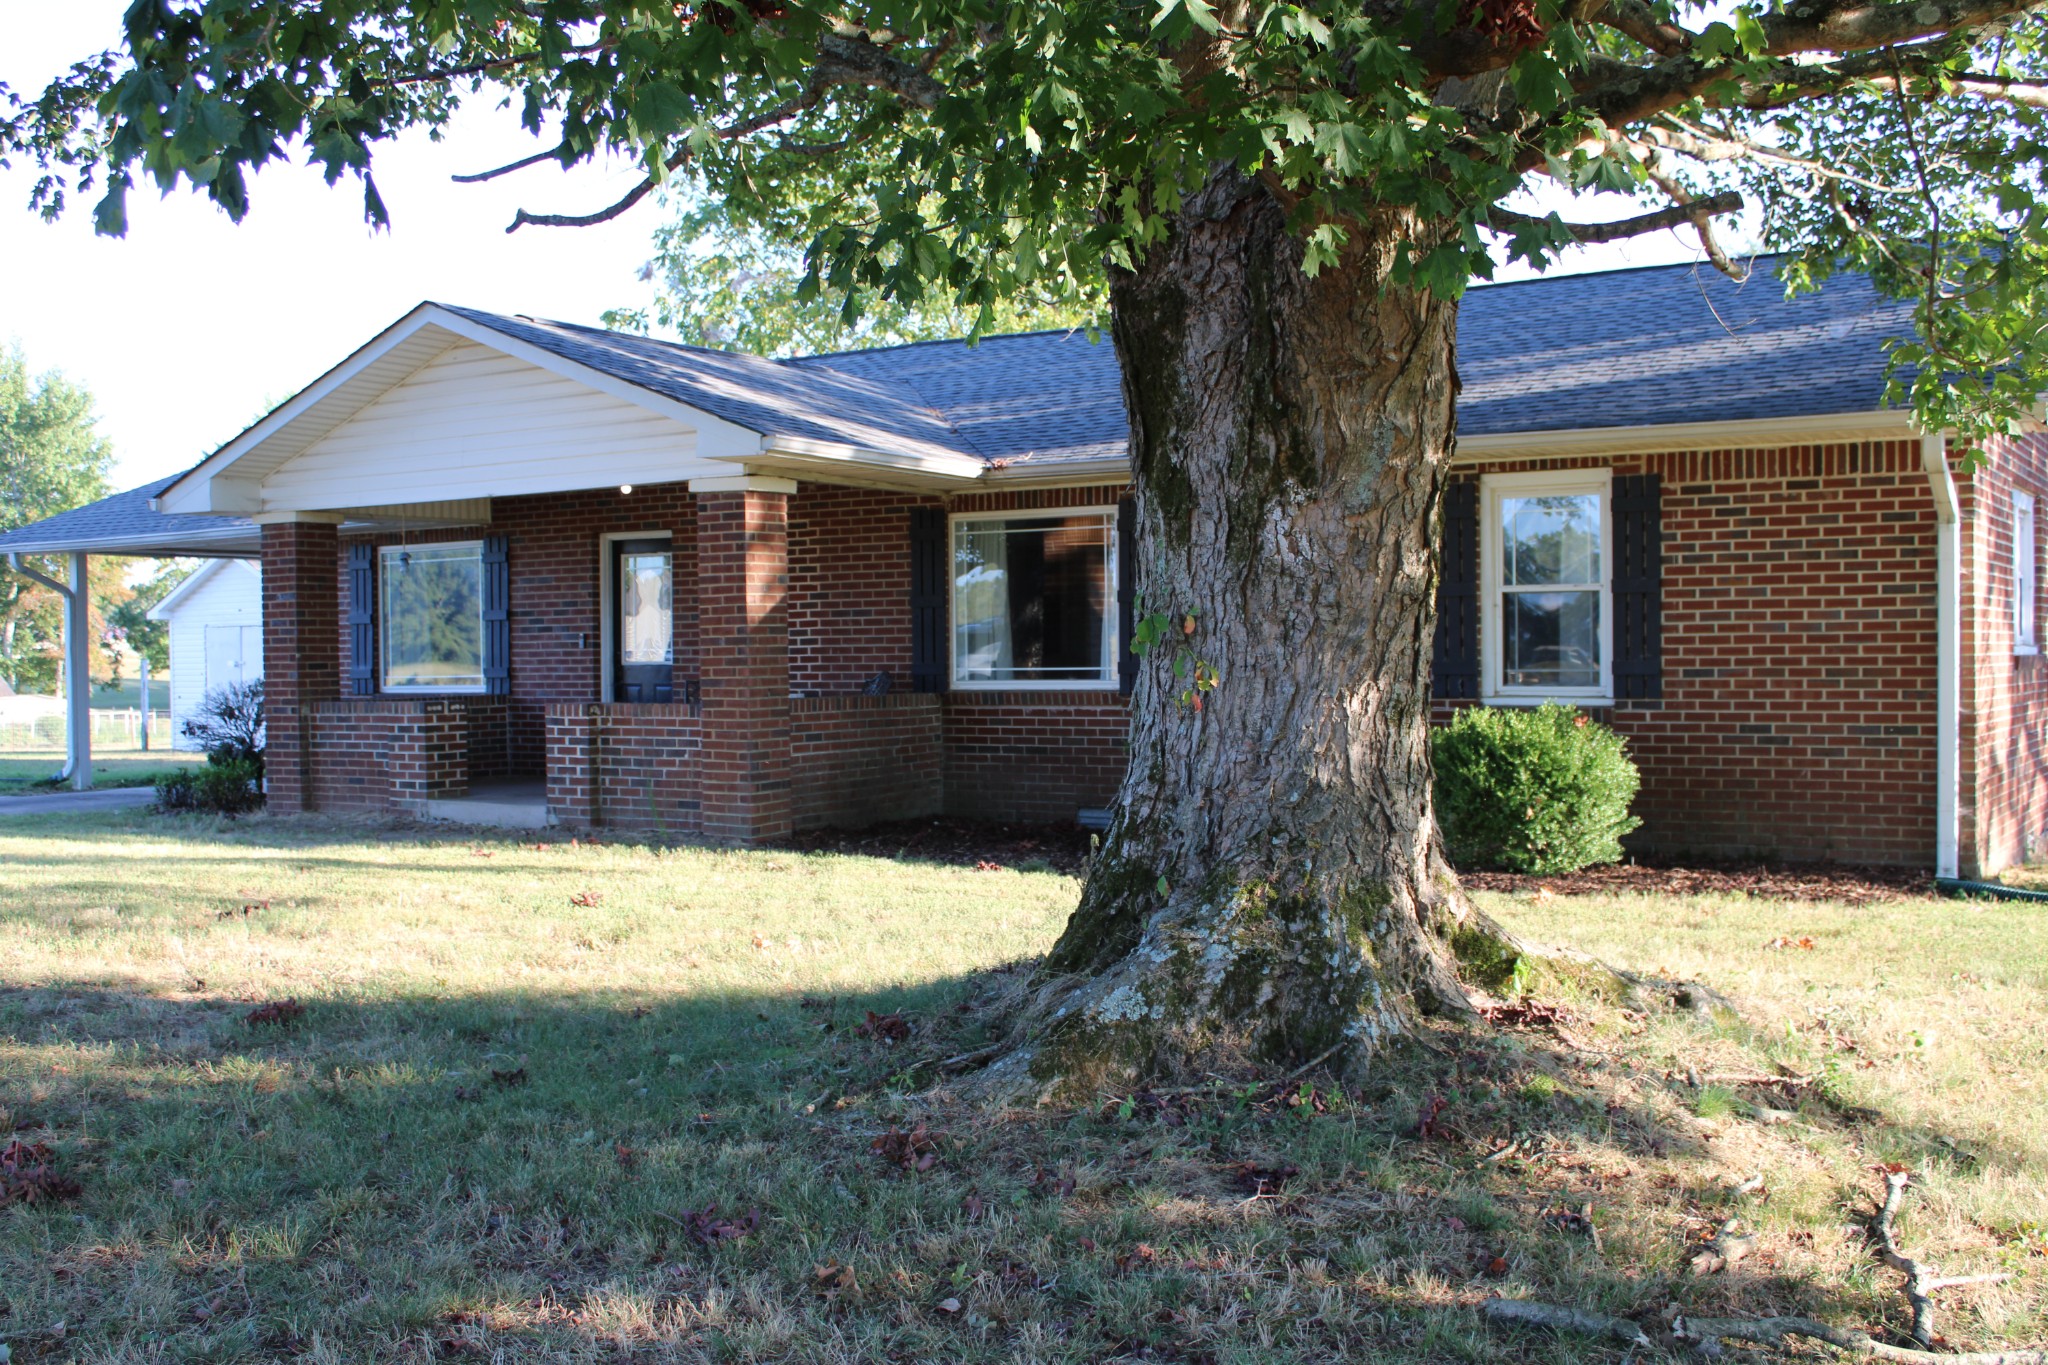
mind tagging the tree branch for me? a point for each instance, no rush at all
(1692, 211)
(843, 59)
(1637, 21)
(1703, 1335)
(2028, 93)
(477, 177)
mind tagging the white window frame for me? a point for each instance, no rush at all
(384, 662)
(1110, 623)
(2026, 577)
(1494, 487)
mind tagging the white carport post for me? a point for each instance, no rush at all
(78, 675)
(77, 665)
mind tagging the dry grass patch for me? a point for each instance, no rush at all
(602, 1103)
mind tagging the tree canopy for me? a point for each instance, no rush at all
(51, 460)
(952, 154)
(744, 287)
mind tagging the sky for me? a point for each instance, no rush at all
(191, 327)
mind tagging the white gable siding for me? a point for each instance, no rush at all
(228, 608)
(473, 423)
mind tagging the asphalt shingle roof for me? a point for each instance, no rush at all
(773, 397)
(125, 520)
(1652, 346)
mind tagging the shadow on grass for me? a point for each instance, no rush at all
(421, 1176)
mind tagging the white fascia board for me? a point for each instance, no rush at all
(830, 461)
(1061, 474)
(1751, 434)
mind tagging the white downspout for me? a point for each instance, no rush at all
(1948, 599)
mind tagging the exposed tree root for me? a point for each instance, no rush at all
(1704, 1336)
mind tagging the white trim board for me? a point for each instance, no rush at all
(1492, 487)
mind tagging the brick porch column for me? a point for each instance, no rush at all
(743, 642)
(301, 645)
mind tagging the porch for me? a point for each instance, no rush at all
(730, 605)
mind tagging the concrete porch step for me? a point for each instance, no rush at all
(505, 805)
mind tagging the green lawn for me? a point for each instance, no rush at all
(23, 770)
(606, 1103)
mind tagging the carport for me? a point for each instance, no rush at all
(126, 524)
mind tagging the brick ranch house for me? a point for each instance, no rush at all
(519, 570)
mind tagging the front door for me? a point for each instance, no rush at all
(644, 590)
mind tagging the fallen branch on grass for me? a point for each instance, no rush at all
(1701, 1334)
(1704, 1335)
(1921, 1283)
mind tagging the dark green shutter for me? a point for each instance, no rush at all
(497, 617)
(1454, 668)
(362, 619)
(928, 599)
(1126, 594)
(1638, 587)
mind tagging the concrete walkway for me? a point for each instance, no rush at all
(47, 803)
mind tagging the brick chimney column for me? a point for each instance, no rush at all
(743, 674)
(301, 646)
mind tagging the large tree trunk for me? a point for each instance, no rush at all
(1272, 887)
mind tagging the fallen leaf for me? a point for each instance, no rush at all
(884, 1028)
(279, 1012)
(706, 1225)
(587, 899)
(949, 1305)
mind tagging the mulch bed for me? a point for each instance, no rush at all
(965, 843)
(1854, 884)
(1064, 848)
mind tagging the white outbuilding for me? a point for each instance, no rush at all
(216, 621)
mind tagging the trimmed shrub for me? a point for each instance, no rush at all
(220, 787)
(1543, 791)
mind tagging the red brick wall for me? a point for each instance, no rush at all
(301, 651)
(743, 610)
(386, 753)
(2003, 803)
(625, 766)
(1032, 755)
(849, 587)
(554, 555)
(861, 759)
(1798, 716)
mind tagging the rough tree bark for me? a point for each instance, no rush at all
(1273, 886)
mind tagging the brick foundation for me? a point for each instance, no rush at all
(860, 759)
(1033, 755)
(392, 753)
(631, 766)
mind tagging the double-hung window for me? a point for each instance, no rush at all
(2024, 612)
(1546, 614)
(1035, 599)
(431, 617)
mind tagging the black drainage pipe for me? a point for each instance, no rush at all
(1956, 886)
